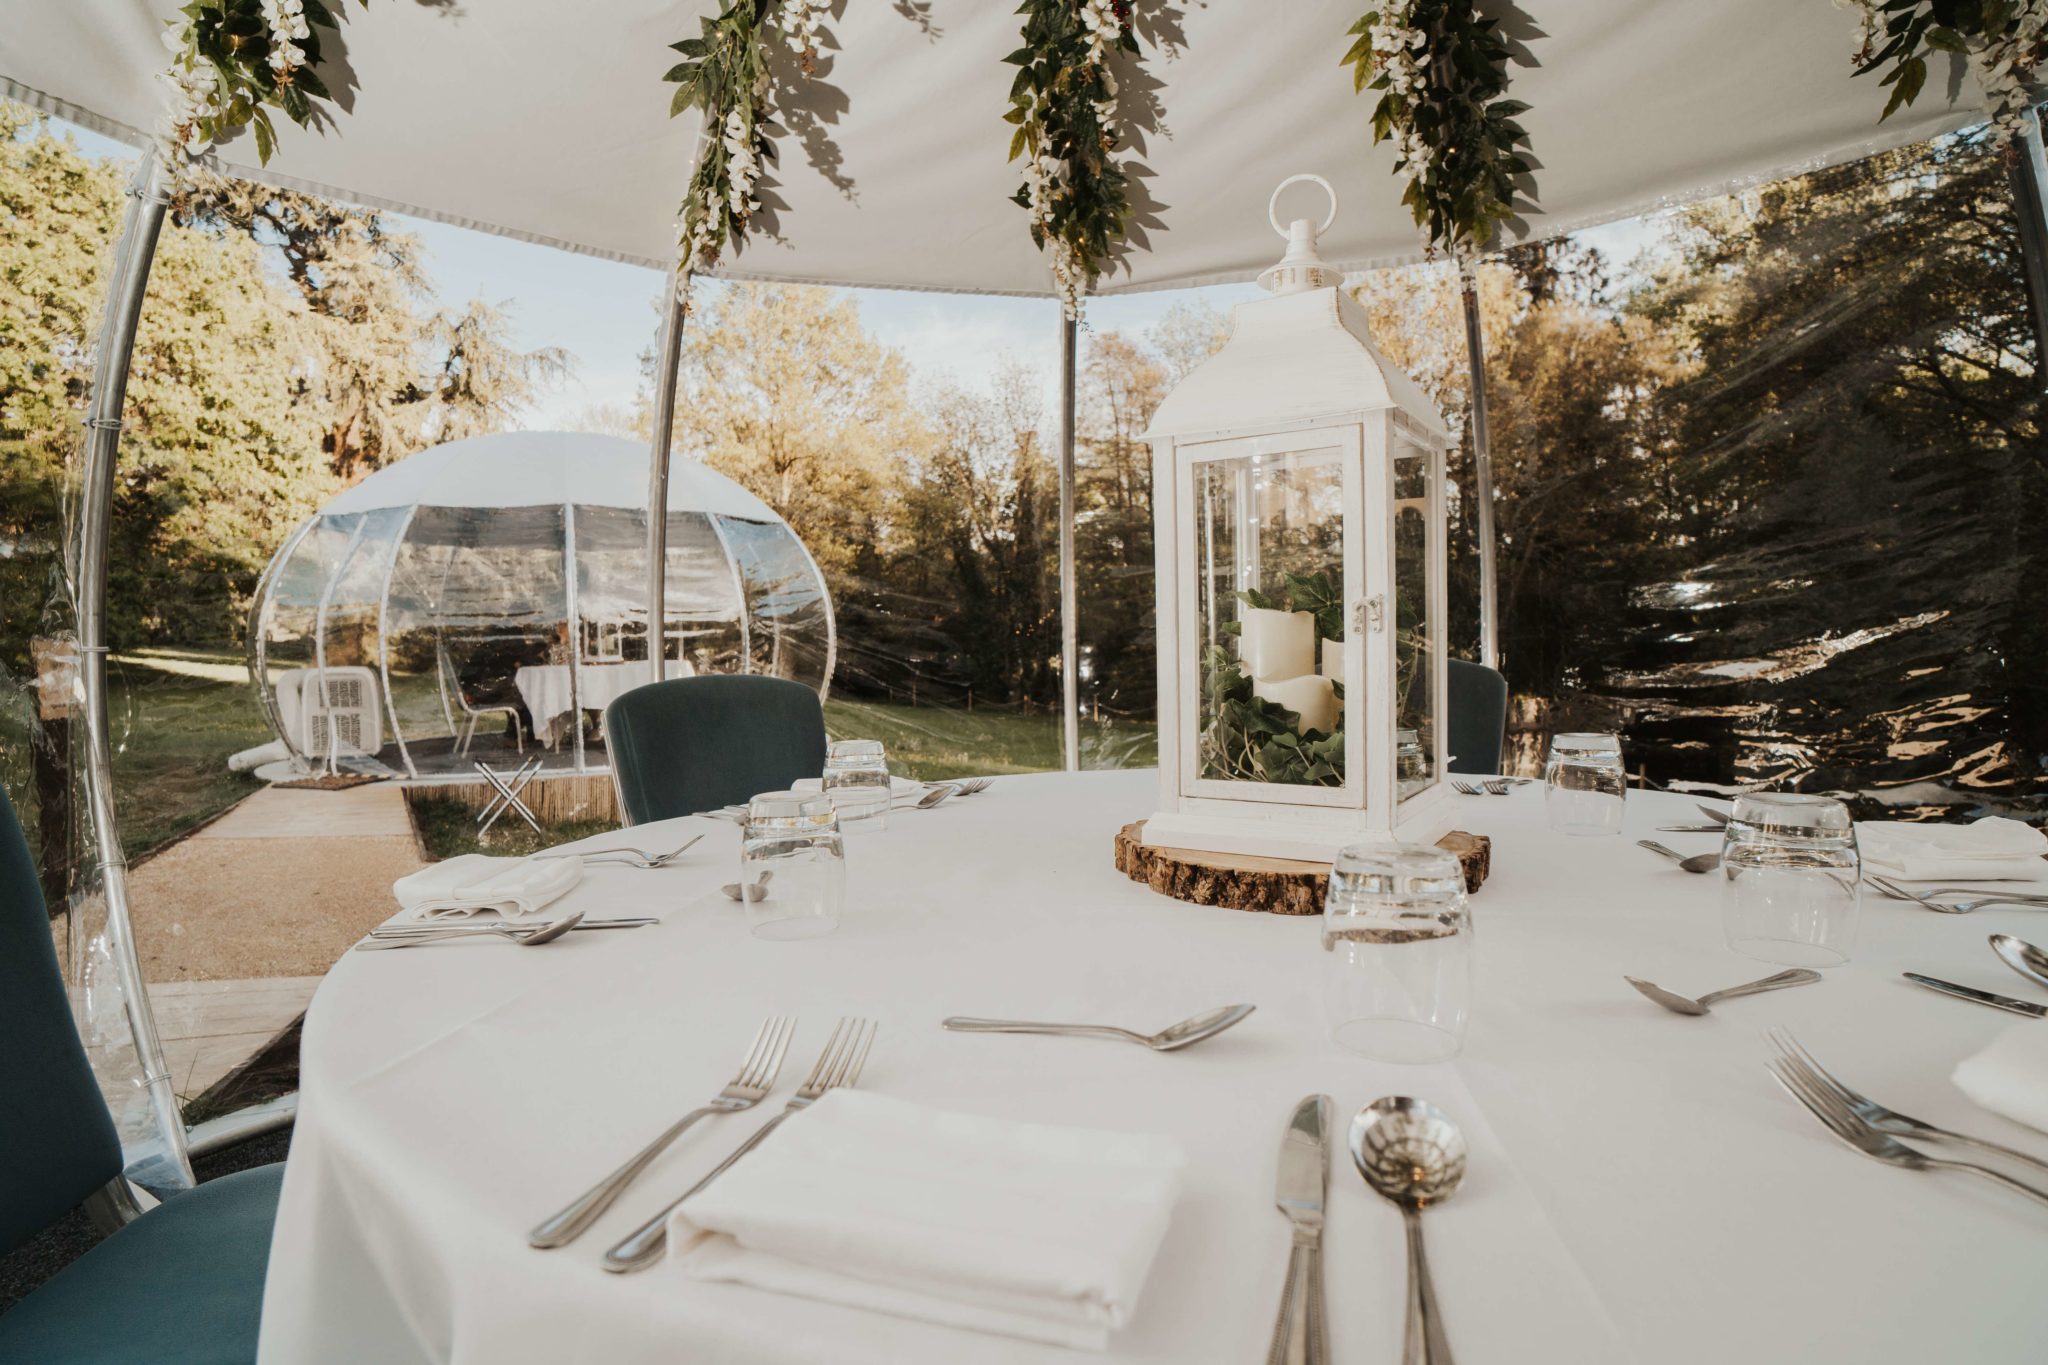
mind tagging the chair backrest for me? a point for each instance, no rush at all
(1479, 716)
(57, 1141)
(694, 744)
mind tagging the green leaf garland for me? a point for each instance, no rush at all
(2005, 42)
(725, 74)
(232, 63)
(1442, 71)
(1063, 105)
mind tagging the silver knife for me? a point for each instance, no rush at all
(1997, 1002)
(1301, 1334)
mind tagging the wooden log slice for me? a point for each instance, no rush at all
(1241, 881)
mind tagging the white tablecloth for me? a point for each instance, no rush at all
(1638, 1188)
(545, 689)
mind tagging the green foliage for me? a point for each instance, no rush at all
(1442, 71)
(1998, 34)
(229, 46)
(1062, 104)
(1250, 739)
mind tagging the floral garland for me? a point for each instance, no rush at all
(232, 61)
(1063, 105)
(1443, 72)
(2005, 41)
(727, 77)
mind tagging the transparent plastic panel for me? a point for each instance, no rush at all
(478, 640)
(789, 619)
(343, 720)
(1269, 543)
(288, 623)
(702, 631)
(1414, 624)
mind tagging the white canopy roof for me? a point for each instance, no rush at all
(550, 122)
(544, 469)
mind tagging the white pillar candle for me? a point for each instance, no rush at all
(1333, 660)
(1312, 698)
(1277, 644)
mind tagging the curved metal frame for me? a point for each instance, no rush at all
(384, 640)
(659, 439)
(132, 260)
(258, 645)
(570, 574)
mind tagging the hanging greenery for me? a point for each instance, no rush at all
(1443, 74)
(1063, 106)
(232, 62)
(2005, 42)
(726, 75)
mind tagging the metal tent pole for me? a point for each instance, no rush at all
(667, 362)
(2030, 205)
(1070, 650)
(144, 221)
(1482, 479)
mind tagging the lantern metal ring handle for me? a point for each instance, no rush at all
(1273, 204)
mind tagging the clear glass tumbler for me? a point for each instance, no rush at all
(857, 780)
(792, 865)
(1397, 953)
(1584, 784)
(1791, 879)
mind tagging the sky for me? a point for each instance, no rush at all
(603, 312)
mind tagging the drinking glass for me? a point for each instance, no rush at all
(1397, 953)
(1584, 784)
(857, 780)
(793, 851)
(1791, 879)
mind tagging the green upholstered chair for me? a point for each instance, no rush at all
(182, 1284)
(1479, 716)
(695, 744)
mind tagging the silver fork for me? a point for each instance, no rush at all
(1501, 786)
(1466, 788)
(1876, 1115)
(838, 1065)
(1879, 1146)
(748, 1088)
(644, 858)
(2018, 901)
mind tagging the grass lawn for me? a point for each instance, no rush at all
(176, 717)
(179, 713)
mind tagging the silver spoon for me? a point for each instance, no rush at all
(1698, 862)
(524, 937)
(929, 799)
(756, 890)
(1410, 1152)
(1678, 1004)
(2022, 956)
(1186, 1033)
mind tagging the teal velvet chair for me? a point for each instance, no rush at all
(1479, 716)
(695, 744)
(181, 1285)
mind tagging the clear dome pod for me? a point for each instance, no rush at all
(487, 599)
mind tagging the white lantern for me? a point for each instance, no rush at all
(1298, 504)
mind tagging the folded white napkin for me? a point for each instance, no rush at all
(2011, 1076)
(1014, 1228)
(473, 883)
(1992, 849)
(899, 787)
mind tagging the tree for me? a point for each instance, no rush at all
(476, 382)
(787, 394)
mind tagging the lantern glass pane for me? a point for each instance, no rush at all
(1269, 585)
(1414, 684)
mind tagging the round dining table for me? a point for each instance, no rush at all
(1638, 1187)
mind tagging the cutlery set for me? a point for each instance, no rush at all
(838, 1066)
(1492, 786)
(1411, 1154)
(1874, 1130)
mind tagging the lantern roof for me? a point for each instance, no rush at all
(1291, 358)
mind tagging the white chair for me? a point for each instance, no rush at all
(342, 717)
(472, 714)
